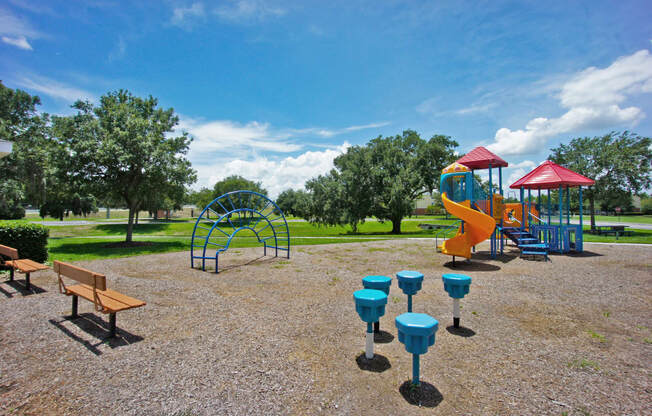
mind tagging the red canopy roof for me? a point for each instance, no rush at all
(550, 175)
(481, 158)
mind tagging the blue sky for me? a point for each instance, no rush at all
(274, 90)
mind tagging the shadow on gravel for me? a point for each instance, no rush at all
(261, 259)
(582, 254)
(378, 364)
(383, 337)
(472, 266)
(425, 395)
(461, 331)
(97, 328)
(20, 289)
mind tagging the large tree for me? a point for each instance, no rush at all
(22, 172)
(124, 150)
(237, 183)
(618, 162)
(382, 178)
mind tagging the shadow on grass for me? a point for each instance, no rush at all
(20, 289)
(97, 328)
(89, 249)
(425, 394)
(146, 228)
(460, 331)
(378, 364)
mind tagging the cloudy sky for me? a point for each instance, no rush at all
(274, 90)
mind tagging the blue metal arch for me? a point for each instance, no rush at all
(239, 207)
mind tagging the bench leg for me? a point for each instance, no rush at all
(11, 274)
(27, 285)
(112, 325)
(75, 302)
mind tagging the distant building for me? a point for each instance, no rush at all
(423, 202)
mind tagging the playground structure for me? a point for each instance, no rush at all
(546, 235)
(234, 212)
(480, 214)
(484, 215)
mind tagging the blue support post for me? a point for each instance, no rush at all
(560, 240)
(415, 369)
(529, 208)
(522, 208)
(567, 205)
(581, 230)
(549, 207)
(539, 205)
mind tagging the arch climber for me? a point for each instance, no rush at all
(231, 213)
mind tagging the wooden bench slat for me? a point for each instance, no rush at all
(27, 265)
(111, 300)
(10, 252)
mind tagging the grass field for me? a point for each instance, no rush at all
(88, 242)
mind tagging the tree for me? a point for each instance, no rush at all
(22, 172)
(236, 183)
(293, 202)
(382, 178)
(616, 161)
(201, 198)
(122, 149)
(404, 167)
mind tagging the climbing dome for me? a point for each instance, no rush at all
(231, 213)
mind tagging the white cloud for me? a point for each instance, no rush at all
(429, 107)
(16, 31)
(275, 175)
(321, 132)
(221, 136)
(54, 89)
(182, 15)
(248, 10)
(20, 42)
(592, 99)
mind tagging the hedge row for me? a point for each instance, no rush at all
(31, 240)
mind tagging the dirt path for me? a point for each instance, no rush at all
(278, 336)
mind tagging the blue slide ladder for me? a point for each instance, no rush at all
(226, 215)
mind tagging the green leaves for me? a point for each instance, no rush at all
(382, 178)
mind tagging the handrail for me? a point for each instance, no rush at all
(540, 220)
(512, 218)
(445, 230)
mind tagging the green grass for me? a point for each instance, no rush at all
(641, 219)
(584, 364)
(637, 236)
(595, 335)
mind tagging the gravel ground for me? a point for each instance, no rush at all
(277, 336)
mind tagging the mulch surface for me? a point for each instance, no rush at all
(275, 336)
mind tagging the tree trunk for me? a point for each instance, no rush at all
(136, 221)
(396, 225)
(130, 225)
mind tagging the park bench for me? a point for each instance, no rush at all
(26, 266)
(92, 287)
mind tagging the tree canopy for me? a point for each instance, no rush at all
(124, 149)
(618, 162)
(237, 183)
(382, 178)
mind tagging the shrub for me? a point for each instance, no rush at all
(646, 206)
(31, 240)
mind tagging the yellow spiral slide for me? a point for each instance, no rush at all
(477, 228)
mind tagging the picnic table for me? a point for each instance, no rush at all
(616, 230)
(434, 226)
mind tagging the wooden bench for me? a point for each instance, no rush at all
(26, 266)
(92, 287)
(617, 230)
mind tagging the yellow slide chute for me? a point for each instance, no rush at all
(477, 228)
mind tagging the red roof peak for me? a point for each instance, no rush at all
(550, 175)
(481, 158)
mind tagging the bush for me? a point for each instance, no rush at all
(646, 206)
(31, 240)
